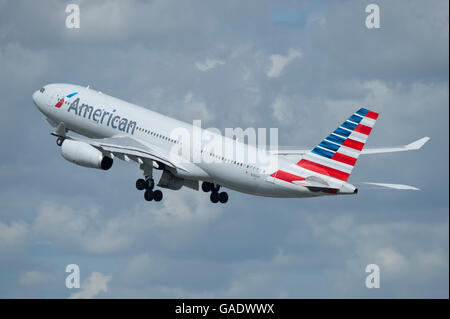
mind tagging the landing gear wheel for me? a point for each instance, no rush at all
(223, 197)
(157, 195)
(59, 141)
(215, 188)
(141, 184)
(206, 187)
(214, 197)
(148, 195)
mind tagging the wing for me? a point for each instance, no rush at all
(127, 148)
(409, 147)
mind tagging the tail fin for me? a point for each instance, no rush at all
(337, 154)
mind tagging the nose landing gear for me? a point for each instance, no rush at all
(59, 141)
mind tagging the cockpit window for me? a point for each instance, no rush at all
(42, 90)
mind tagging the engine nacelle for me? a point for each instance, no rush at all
(170, 181)
(83, 154)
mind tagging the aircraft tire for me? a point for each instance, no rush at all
(157, 195)
(206, 187)
(149, 184)
(214, 197)
(148, 195)
(223, 197)
(141, 184)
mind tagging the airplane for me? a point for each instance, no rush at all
(112, 128)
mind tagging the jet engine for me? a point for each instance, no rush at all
(83, 154)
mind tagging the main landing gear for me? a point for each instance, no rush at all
(215, 196)
(148, 184)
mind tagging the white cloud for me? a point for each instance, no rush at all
(279, 62)
(144, 268)
(83, 228)
(208, 64)
(87, 229)
(139, 264)
(197, 109)
(12, 235)
(431, 258)
(391, 260)
(92, 286)
(315, 19)
(34, 278)
(281, 110)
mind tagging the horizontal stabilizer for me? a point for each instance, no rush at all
(368, 185)
(410, 147)
(416, 145)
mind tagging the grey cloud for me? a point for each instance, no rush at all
(54, 213)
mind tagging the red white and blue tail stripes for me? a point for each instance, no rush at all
(337, 154)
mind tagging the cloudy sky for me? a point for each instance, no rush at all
(300, 66)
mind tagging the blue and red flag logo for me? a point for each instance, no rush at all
(61, 100)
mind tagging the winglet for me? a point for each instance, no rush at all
(418, 144)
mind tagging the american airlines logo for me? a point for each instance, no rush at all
(61, 100)
(100, 115)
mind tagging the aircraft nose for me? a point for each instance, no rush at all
(34, 97)
(37, 100)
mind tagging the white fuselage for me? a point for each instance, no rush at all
(98, 115)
